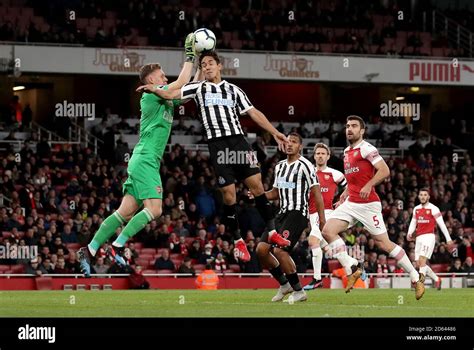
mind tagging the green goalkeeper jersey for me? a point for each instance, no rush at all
(155, 125)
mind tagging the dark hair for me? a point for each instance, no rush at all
(208, 267)
(356, 117)
(298, 136)
(425, 189)
(146, 70)
(209, 53)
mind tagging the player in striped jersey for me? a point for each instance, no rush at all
(295, 179)
(423, 223)
(220, 105)
(329, 181)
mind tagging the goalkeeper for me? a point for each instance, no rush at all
(143, 186)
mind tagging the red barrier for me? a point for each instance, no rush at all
(57, 283)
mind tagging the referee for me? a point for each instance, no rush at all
(295, 178)
(220, 105)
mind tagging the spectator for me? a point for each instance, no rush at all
(164, 262)
(252, 266)
(100, 267)
(219, 263)
(72, 264)
(60, 267)
(186, 266)
(468, 267)
(465, 248)
(195, 250)
(137, 280)
(35, 268)
(208, 279)
(442, 256)
(456, 267)
(206, 257)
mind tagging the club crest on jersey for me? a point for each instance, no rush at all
(326, 177)
(428, 212)
(356, 153)
(221, 180)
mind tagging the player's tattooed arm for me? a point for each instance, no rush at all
(316, 190)
(382, 173)
(262, 121)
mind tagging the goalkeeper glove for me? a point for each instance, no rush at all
(189, 47)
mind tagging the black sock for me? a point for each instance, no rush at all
(265, 209)
(229, 219)
(294, 281)
(278, 274)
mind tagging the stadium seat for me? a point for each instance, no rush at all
(439, 267)
(139, 245)
(146, 256)
(148, 251)
(4, 268)
(234, 267)
(144, 262)
(149, 271)
(18, 268)
(333, 264)
(166, 271)
(199, 267)
(73, 246)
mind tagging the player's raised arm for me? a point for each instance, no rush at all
(173, 90)
(262, 121)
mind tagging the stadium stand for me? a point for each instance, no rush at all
(362, 27)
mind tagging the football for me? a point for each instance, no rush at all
(205, 40)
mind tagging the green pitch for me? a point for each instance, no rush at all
(236, 303)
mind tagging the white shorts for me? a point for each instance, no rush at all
(368, 214)
(314, 221)
(424, 245)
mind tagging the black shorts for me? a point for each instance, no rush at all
(290, 225)
(233, 159)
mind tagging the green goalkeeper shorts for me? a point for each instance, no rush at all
(144, 181)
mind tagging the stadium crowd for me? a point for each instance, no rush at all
(251, 25)
(67, 191)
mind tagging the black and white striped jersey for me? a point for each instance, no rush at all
(294, 181)
(219, 106)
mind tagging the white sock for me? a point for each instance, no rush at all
(323, 243)
(423, 269)
(431, 273)
(338, 249)
(91, 250)
(399, 254)
(317, 261)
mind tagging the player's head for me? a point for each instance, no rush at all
(355, 129)
(322, 153)
(424, 195)
(210, 65)
(152, 73)
(295, 144)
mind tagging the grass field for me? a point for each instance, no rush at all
(236, 303)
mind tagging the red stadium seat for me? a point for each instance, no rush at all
(144, 262)
(139, 245)
(73, 246)
(18, 268)
(199, 267)
(4, 267)
(149, 271)
(333, 265)
(439, 267)
(146, 256)
(148, 251)
(166, 271)
(438, 51)
(234, 267)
